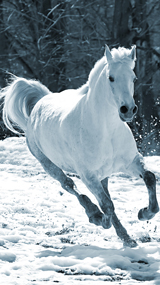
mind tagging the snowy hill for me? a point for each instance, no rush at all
(45, 236)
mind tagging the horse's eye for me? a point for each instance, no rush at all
(135, 79)
(111, 78)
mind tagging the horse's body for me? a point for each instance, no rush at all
(84, 131)
(68, 133)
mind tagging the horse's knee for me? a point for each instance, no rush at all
(149, 178)
(106, 222)
(107, 208)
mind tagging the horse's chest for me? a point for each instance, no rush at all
(116, 155)
(111, 165)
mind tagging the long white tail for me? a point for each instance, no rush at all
(19, 99)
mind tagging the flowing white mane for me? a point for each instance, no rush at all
(120, 55)
(96, 70)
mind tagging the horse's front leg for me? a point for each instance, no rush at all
(138, 167)
(120, 230)
(149, 212)
(104, 200)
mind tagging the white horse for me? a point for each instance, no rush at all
(84, 131)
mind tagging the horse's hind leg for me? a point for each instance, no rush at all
(92, 211)
(120, 230)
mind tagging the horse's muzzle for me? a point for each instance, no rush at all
(127, 114)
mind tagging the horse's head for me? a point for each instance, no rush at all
(121, 78)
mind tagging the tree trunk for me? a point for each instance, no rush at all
(3, 49)
(120, 29)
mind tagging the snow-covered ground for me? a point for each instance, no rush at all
(45, 236)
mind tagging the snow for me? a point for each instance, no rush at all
(45, 236)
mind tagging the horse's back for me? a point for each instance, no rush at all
(53, 108)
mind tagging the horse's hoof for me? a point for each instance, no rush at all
(106, 222)
(146, 214)
(141, 216)
(130, 243)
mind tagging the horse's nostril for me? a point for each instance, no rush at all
(124, 109)
(135, 110)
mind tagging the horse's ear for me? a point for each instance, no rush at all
(133, 53)
(108, 54)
